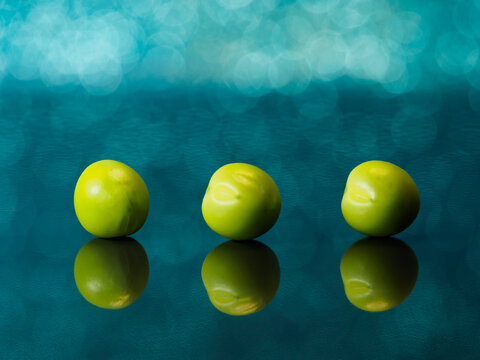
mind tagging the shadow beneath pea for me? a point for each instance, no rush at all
(241, 276)
(378, 273)
(111, 273)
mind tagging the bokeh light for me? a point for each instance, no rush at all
(256, 47)
(456, 54)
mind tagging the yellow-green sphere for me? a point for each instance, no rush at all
(241, 202)
(380, 199)
(111, 199)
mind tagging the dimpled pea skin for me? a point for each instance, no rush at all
(378, 273)
(380, 199)
(111, 273)
(241, 202)
(111, 199)
(241, 277)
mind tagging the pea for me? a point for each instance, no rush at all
(241, 277)
(111, 273)
(241, 202)
(111, 199)
(380, 199)
(378, 273)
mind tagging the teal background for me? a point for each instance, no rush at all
(305, 90)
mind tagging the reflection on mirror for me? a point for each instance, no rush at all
(378, 273)
(111, 273)
(241, 277)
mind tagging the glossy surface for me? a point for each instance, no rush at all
(380, 199)
(241, 277)
(241, 202)
(175, 142)
(378, 273)
(111, 199)
(111, 273)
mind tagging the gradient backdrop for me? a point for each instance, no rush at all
(305, 90)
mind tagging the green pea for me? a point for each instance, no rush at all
(111, 273)
(380, 199)
(241, 202)
(241, 277)
(378, 273)
(111, 199)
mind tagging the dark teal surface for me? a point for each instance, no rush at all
(176, 141)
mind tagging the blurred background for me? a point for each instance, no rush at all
(304, 89)
(252, 47)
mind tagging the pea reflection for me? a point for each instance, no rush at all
(111, 273)
(378, 273)
(241, 277)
